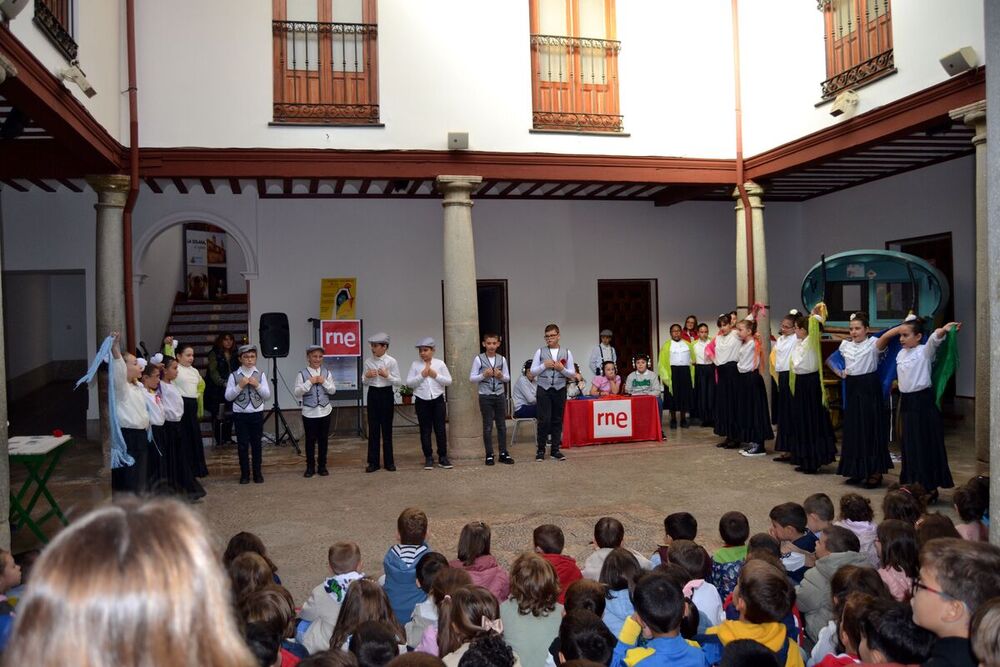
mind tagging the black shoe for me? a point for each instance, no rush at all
(371, 468)
(489, 460)
(506, 460)
(684, 423)
(558, 456)
(734, 444)
(673, 423)
(806, 471)
(540, 455)
(323, 472)
(258, 479)
(309, 472)
(428, 463)
(391, 468)
(784, 458)
(445, 463)
(754, 449)
(873, 481)
(244, 480)
(663, 434)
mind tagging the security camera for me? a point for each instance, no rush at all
(843, 103)
(75, 74)
(7, 69)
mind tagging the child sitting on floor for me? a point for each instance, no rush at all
(819, 512)
(323, 606)
(836, 548)
(425, 613)
(609, 534)
(446, 582)
(474, 557)
(899, 556)
(466, 615)
(798, 545)
(694, 559)
(857, 515)
(531, 616)
(734, 529)
(888, 635)
(970, 508)
(676, 526)
(400, 563)
(620, 572)
(549, 541)
(659, 607)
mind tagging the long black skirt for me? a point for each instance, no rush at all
(726, 424)
(192, 432)
(781, 412)
(924, 457)
(155, 468)
(753, 417)
(810, 437)
(179, 466)
(681, 399)
(704, 393)
(864, 449)
(132, 479)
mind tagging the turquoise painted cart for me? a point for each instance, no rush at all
(886, 284)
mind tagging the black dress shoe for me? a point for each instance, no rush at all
(323, 472)
(244, 480)
(371, 468)
(391, 468)
(309, 472)
(258, 479)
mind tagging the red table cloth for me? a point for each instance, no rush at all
(611, 419)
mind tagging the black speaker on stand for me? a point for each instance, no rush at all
(274, 342)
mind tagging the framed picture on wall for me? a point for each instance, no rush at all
(205, 262)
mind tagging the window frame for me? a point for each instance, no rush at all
(332, 103)
(60, 31)
(862, 55)
(576, 99)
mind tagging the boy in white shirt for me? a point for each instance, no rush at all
(247, 388)
(490, 372)
(524, 393)
(552, 366)
(381, 376)
(323, 606)
(314, 388)
(428, 378)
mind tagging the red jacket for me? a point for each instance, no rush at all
(566, 569)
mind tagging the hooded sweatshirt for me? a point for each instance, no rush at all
(566, 569)
(486, 572)
(672, 651)
(772, 635)
(813, 594)
(323, 608)
(867, 533)
(595, 561)
(400, 566)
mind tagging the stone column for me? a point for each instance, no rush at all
(4, 459)
(974, 115)
(112, 190)
(754, 193)
(461, 314)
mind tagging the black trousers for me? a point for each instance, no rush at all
(494, 409)
(317, 431)
(430, 415)
(550, 417)
(380, 413)
(132, 479)
(249, 430)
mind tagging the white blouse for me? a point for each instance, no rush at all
(154, 406)
(804, 358)
(727, 348)
(699, 352)
(130, 404)
(913, 366)
(860, 358)
(783, 352)
(187, 381)
(171, 401)
(680, 353)
(747, 356)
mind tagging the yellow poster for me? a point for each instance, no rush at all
(336, 298)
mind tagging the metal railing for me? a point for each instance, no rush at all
(575, 83)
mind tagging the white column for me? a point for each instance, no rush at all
(112, 190)
(974, 115)
(461, 314)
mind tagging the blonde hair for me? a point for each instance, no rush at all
(134, 583)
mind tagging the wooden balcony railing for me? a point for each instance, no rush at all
(325, 73)
(55, 18)
(575, 84)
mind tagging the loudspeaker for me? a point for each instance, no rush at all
(11, 8)
(959, 61)
(273, 335)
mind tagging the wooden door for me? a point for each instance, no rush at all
(626, 307)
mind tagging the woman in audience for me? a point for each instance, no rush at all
(129, 585)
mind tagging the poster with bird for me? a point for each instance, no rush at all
(337, 298)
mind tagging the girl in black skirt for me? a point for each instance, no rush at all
(724, 350)
(864, 454)
(924, 458)
(811, 439)
(704, 380)
(677, 374)
(781, 400)
(752, 415)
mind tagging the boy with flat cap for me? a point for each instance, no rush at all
(428, 378)
(381, 376)
(602, 352)
(314, 387)
(247, 388)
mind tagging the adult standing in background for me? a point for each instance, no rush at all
(222, 361)
(602, 352)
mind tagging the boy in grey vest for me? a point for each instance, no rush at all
(491, 373)
(552, 366)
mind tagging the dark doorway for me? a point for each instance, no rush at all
(627, 308)
(493, 312)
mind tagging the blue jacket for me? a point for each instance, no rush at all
(617, 610)
(672, 651)
(400, 566)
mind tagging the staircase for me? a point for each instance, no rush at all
(199, 323)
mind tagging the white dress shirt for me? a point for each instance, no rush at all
(746, 356)
(600, 354)
(154, 406)
(302, 388)
(171, 401)
(490, 385)
(804, 358)
(428, 388)
(860, 358)
(699, 353)
(130, 403)
(783, 352)
(524, 392)
(538, 363)
(233, 389)
(680, 353)
(727, 348)
(913, 366)
(374, 363)
(187, 381)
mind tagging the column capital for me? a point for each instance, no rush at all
(111, 189)
(457, 189)
(754, 193)
(973, 115)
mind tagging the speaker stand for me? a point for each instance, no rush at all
(281, 428)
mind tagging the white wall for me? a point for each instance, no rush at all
(927, 201)
(444, 65)
(100, 34)
(783, 62)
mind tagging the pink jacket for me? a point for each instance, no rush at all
(897, 582)
(486, 572)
